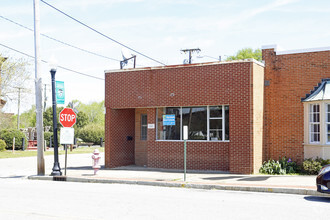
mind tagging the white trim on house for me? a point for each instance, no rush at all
(306, 50)
(271, 46)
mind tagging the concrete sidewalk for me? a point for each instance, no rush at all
(78, 172)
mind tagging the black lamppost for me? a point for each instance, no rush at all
(56, 167)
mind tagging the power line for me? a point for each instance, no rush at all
(62, 67)
(59, 41)
(89, 27)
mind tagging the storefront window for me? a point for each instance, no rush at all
(216, 123)
(204, 123)
(168, 123)
(196, 120)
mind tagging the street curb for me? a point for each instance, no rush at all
(297, 191)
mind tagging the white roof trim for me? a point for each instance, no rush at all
(272, 46)
(308, 50)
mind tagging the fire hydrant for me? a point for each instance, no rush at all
(96, 158)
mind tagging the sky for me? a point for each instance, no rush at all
(158, 29)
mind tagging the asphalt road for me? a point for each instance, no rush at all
(31, 199)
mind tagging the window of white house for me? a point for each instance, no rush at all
(328, 122)
(208, 123)
(314, 123)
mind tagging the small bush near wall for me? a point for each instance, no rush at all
(287, 166)
(281, 166)
(272, 167)
(312, 166)
(2, 145)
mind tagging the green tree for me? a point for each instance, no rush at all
(246, 53)
(7, 120)
(82, 120)
(94, 111)
(91, 133)
(28, 118)
(14, 74)
(48, 117)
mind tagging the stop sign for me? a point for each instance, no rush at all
(67, 117)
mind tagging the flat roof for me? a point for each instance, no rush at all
(188, 65)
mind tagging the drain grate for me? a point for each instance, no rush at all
(59, 178)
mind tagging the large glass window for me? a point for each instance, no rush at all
(216, 123)
(314, 123)
(196, 120)
(204, 123)
(168, 123)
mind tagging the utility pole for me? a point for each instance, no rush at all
(45, 97)
(18, 106)
(38, 88)
(190, 52)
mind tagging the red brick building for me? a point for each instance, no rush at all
(221, 103)
(238, 113)
(291, 76)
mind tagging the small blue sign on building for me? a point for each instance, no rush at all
(168, 120)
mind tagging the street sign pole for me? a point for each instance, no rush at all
(66, 158)
(185, 137)
(66, 137)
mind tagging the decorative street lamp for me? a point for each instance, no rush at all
(56, 168)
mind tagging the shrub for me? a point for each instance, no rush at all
(272, 167)
(2, 145)
(91, 133)
(312, 167)
(47, 136)
(289, 165)
(322, 161)
(8, 134)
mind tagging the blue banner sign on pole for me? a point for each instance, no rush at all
(60, 92)
(168, 120)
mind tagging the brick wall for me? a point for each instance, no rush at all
(291, 77)
(191, 85)
(120, 124)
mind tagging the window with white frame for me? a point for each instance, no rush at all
(208, 123)
(327, 122)
(314, 123)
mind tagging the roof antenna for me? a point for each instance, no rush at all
(127, 55)
(190, 52)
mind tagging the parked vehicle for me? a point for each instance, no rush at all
(323, 180)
